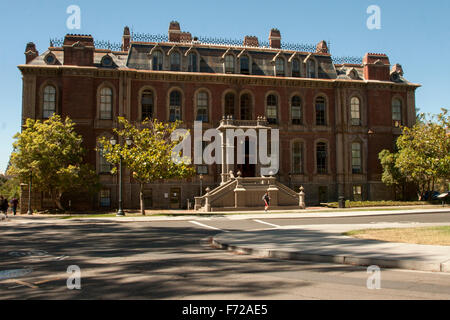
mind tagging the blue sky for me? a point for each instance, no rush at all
(415, 34)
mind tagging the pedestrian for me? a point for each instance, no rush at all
(3, 205)
(14, 203)
(266, 199)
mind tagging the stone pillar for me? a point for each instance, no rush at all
(224, 165)
(301, 198)
(273, 192)
(207, 204)
(239, 194)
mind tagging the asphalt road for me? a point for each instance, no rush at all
(173, 260)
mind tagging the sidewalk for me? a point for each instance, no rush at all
(244, 215)
(325, 243)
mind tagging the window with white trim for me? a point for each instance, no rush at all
(49, 103)
(106, 97)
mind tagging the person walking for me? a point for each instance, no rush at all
(14, 203)
(4, 205)
(266, 199)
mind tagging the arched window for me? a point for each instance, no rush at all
(106, 103)
(296, 110)
(175, 61)
(229, 104)
(321, 158)
(356, 157)
(147, 104)
(279, 67)
(192, 62)
(297, 157)
(245, 65)
(49, 103)
(157, 61)
(397, 112)
(321, 116)
(295, 68)
(202, 106)
(272, 109)
(246, 107)
(355, 108)
(229, 63)
(311, 66)
(175, 106)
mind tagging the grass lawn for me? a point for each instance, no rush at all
(424, 235)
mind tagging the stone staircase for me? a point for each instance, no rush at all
(246, 194)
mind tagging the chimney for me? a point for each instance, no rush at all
(30, 52)
(397, 68)
(126, 39)
(322, 47)
(251, 41)
(185, 37)
(376, 67)
(275, 39)
(174, 31)
(78, 50)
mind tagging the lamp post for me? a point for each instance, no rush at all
(201, 184)
(113, 141)
(29, 212)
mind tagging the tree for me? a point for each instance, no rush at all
(391, 174)
(149, 157)
(9, 187)
(423, 156)
(50, 153)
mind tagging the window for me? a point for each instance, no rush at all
(357, 193)
(279, 67)
(246, 107)
(296, 110)
(192, 65)
(295, 68)
(202, 169)
(272, 109)
(311, 65)
(297, 157)
(157, 61)
(106, 103)
(147, 104)
(356, 157)
(229, 104)
(202, 106)
(321, 112)
(355, 111)
(229, 63)
(321, 158)
(175, 61)
(396, 112)
(175, 106)
(49, 105)
(105, 198)
(245, 65)
(104, 165)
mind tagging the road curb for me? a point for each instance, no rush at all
(338, 259)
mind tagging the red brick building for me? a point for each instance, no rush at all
(333, 118)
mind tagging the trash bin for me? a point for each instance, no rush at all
(341, 202)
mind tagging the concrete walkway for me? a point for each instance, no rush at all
(325, 243)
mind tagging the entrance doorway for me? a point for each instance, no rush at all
(175, 198)
(247, 169)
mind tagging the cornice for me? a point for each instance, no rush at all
(231, 79)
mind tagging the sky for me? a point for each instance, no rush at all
(415, 34)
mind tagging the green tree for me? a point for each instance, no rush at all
(50, 153)
(9, 187)
(391, 174)
(149, 157)
(423, 156)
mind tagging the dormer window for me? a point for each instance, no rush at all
(157, 61)
(229, 63)
(50, 58)
(279, 67)
(311, 68)
(107, 61)
(295, 68)
(245, 65)
(175, 61)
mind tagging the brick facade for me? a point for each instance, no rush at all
(79, 73)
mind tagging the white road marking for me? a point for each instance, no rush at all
(269, 224)
(206, 226)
